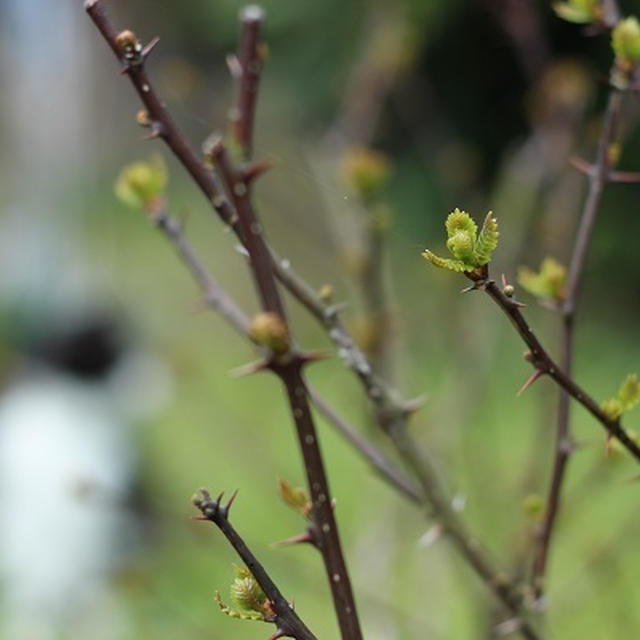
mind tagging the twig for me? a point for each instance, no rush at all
(543, 362)
(246, 69)
(219, 300)
(287, 620)
(377, 459)
(499, 582)
(598, 178)
(288, 367)
(387, 404)
(391, 412)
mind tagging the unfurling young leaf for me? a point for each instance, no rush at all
(141, 183)
(626, 399)
(470, 250)
(250, 599)
(578, 11)
(298, 499)
(487, 241)
(548, 283)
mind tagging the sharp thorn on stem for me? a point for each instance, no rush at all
(227, 507)
(250, 369)
(150, 47)
(534, 376)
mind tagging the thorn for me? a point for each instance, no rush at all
(624, 177)
(504, 281)
(518, 304)
(226, 508)
(534, 376)
(241, 249)
(198, 518)
(306, 537)
(309, 357)
(150, 47)
(156, 130)
(412, 406)
(471, 287)
(278, 634)
(507, 627)
(254, 171)
(250, 369)
(608, 445)
(432, 535)
(582, 166)
(219, 499)
(235, 68)
(335, 309)
(125, 69)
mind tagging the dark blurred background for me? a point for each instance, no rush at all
(116, 400)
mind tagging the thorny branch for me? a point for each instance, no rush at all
(216, 298)
(598, 178)
(288, 366)
(287, 620)
(392, 413)
(545, 365)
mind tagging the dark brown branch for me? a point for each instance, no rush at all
(247, 73)
(288, 367)
(392, 413)
(377, 459)
(287, 620)
(219, 300)
(598, 178)
(542, 361)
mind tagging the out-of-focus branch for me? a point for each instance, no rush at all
(245, 68)
(392, 413)
(286, 620)
(598, 178)
(216, 298)
(545, 365)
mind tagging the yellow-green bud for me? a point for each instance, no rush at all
(142, 183)
(625, 40)
(366, 171)
(270, 330)
(127, 40)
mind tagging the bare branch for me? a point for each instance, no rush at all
(287, 620)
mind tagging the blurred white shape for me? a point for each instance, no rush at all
(65, 465)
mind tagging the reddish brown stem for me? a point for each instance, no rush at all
(247, 70)
(287, 620)
(288, 367)
(598, 177)
(541, 360)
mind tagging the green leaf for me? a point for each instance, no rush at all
(446, 263)
(487, 241)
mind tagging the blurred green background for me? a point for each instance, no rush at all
(477, 104)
